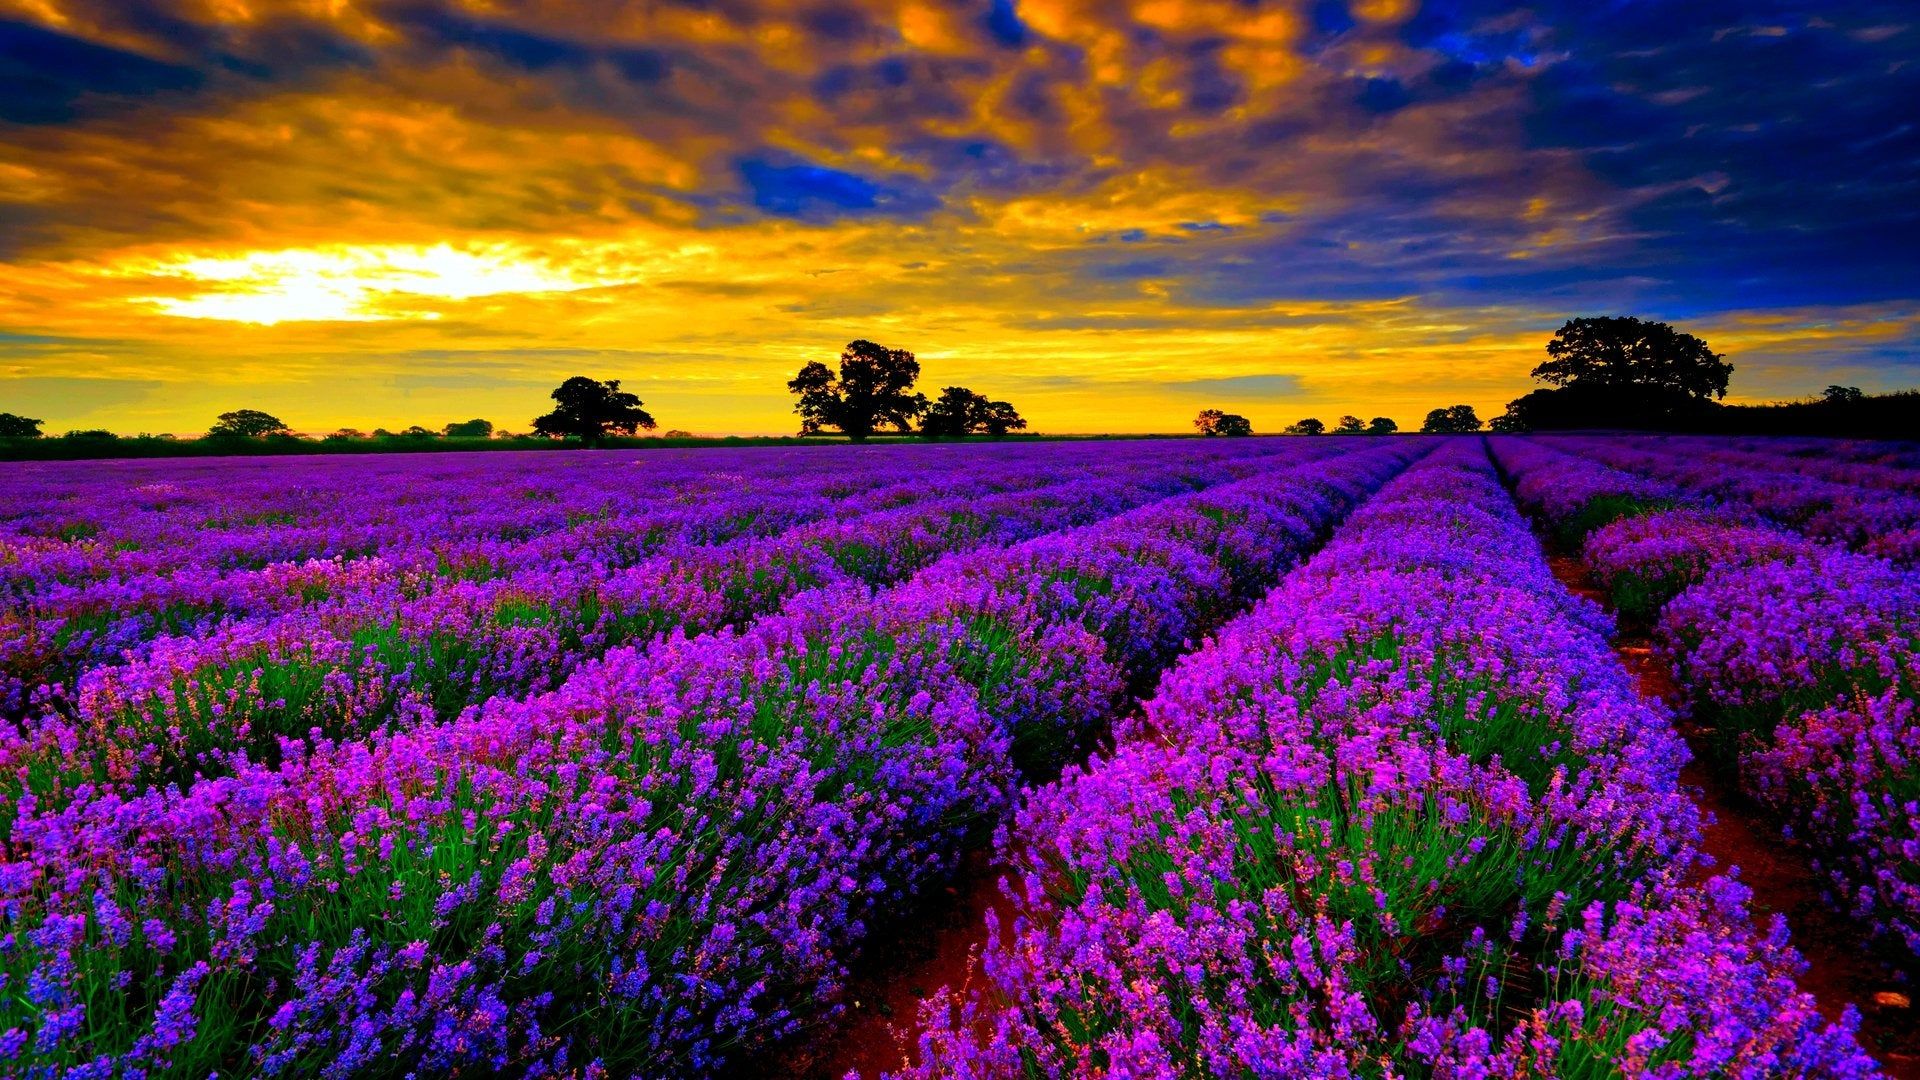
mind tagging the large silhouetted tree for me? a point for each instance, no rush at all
(1306, 426)
(1453, 420)
(874, 387)
(469, 429)
(959, 411)
(590, 410)
(247, 423)
(15, 426)
(1349, 425)
(1622, 351)
(1618, 371)
(1382, 425)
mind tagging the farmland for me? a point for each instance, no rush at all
(1303, 756)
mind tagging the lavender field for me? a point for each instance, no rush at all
(1284, 757)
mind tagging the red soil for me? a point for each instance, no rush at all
(939, 947)
(1843, 968)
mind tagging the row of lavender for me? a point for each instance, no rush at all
(1802, 658)
(1407, 817)
(1869, 507)
(345, 666)
(661, 867)
(536, 562)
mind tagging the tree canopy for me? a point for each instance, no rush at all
(873, 388)
(959, 411)
(1216, 422)
(1625, 351)
(1382, 425)
(469, 429)
(1842, 394)
(1349, 425)
(247, 423)
(15, 426)
(591, 410)
(1307, 426)
(1452, 420)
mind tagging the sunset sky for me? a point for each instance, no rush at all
(352, 212)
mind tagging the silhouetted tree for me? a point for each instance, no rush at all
(1349, 425)
(1234, 425)
(951, 414)
(417, 431)
(345, 434)
(1453, 420)
(1382, 425)
(1308, 426)
(997, 418)
(591, 410)
(1507, 423)
(469, 429)
(1208, 422)
(959, 411)
(247, 423)
(15, 426)
(1625, 351)
(1840, 395)
(873, 388)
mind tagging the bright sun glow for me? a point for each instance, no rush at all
(355, 284)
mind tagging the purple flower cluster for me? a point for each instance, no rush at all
(415, 647)
(1407, 816)
(1804, 660)
(1867, 507)
(1810, 669)
(664, 864)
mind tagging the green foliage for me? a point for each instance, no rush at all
(1602, 510)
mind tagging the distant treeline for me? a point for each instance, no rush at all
(1602, 373)
(1870, 416)
(91, 444)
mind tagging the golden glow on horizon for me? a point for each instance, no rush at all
(350, 284)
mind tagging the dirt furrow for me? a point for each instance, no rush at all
(1843, 968)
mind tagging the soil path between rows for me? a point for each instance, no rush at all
(938, 947)
(1842, 967)
(941, 944)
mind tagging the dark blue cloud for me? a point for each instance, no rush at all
(440, 28)
(49, 78)
(785, 187)
(1380, 95)
(1002, 21)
